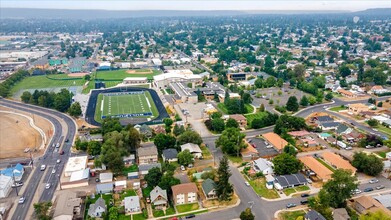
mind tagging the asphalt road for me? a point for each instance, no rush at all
(49, 158)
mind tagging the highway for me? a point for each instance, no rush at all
(49, 158)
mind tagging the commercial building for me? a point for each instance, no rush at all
(5, 186)
(182, 93)
(135, 80)
(163, 80)
(68, 206)
(338, 162)
(275, 141)
(316, 168)
(75, 164)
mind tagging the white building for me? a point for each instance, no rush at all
(264, 166)
(194, 149)
(75, 164)
(157, 62)
(5, 186)
(132, 204)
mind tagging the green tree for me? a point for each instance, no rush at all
(87, 77)
(94, 147)
(133, 139)
(26, 97)
(299, 70)
(153, 177)
(231, 123)
(292, 104)
(62, 100)
(329, 96)
(247, 99)
(178, 130)
(344, 71)
(190, 137)
(247, 215)
(75, 109)
(231, 141)
(369, 164)
(289, 123)
(185, 158)
(286, 164)
(41, 210)
(304, 101)
(215, 115)
(269, 63)
(168, 122)
(113, 213)
(373, 122)
(289, 149)
(380, 104)
(218, 125)
(338, 189)
(224, 188)
(378, 215)
(164, 141)
(262, 108)
(111, 124)
(168, 180)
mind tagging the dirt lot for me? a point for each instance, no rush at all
(139, 72)
(16, 134)
(77, 74)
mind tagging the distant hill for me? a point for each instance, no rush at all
(28, 13)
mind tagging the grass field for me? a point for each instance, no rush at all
(223, 108)
(123, 73)
(39, 82)
(292, 215)
(125, 104)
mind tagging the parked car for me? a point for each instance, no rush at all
(305, 195)
(62, 152)
(22, 199)
(356, 191)
(53, 171)
(183, 168)
(368, 189)
(290, 205)
(247, 183)
(58, 161)
(47, 186)
(190, 216)
(380, 187)
(373, 181)
(17, 184)
(190, 165)
(43, 167)
(309, 180)
(303, 202)
(97, 180)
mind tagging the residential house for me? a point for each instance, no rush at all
(287, 181)
(378, 90)
(209, 189)
(384, 199)
(263, 166)
(185, 193)
(323, 119)
(119, 186)
(313, 215)
(159, 129)
(249, 153)
(365, 204)
(159, 198)
(343, 129)
(275, 141)
(68, 206)
(170, 155)
(346, 93)
(104, 188)
(388, 155)
(240, 119)
(340, 214)
(147, 155)
(314, 167)
(132, 204)
(106, 177)
(143, 169)
(338, 162)
(329, 125)
(194, 149)
(357, 108)
(146, 131)
(16, 172)
(98, 208)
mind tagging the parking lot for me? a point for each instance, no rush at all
(268, 94)
(261, 147)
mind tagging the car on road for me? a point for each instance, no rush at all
(324, 107)
(17, 184)
(356, 191)
(373, 181)
(22, 199)
(43, 167)
(183, 168)
(97, 180)
(53, 171)
(380, 187)
(348, 148)
(61, 152)
(305, 195)
(190, 216)
(58, 161)
(67, 140)
(290, 205)
(190, 165)
(309, 180)
(368, 189)
(303, 202)
(47, 186)
(247, 183)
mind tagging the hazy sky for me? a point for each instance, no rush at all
(352, 5)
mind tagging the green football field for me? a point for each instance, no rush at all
(125, 105)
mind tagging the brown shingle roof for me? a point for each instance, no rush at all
(320, 170)
(147, 151)
(338, 161)
(275, 140)
(237, 117)
(184, 188)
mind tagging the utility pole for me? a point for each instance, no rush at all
(13, 179)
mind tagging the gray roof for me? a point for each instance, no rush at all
(208, 185)
(106, 176)
(314, 215)
(340, 214)
(145, 167)
(147, 151)
(342, 128)
(324, 118)
(384, 200)
(170, 153)
(132, 202)
(99, 203)
(103, 187)
(330, 124)
(193, 148)
(66, 203)
(291, 180)
(156, 192)
(262, 164)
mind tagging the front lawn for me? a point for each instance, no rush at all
(302, 188)
(158, 213)
(130, 169)
(325, 164)
(382, 153)
(289, 191)
(187, 207)
(127, 193)
(170, 210)
(147, 191)
(338, 108)
(291, 215)
(259, 186)
(384, 129)
(205, 152)
(235, 159)
(138, 217)
(249, 108)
